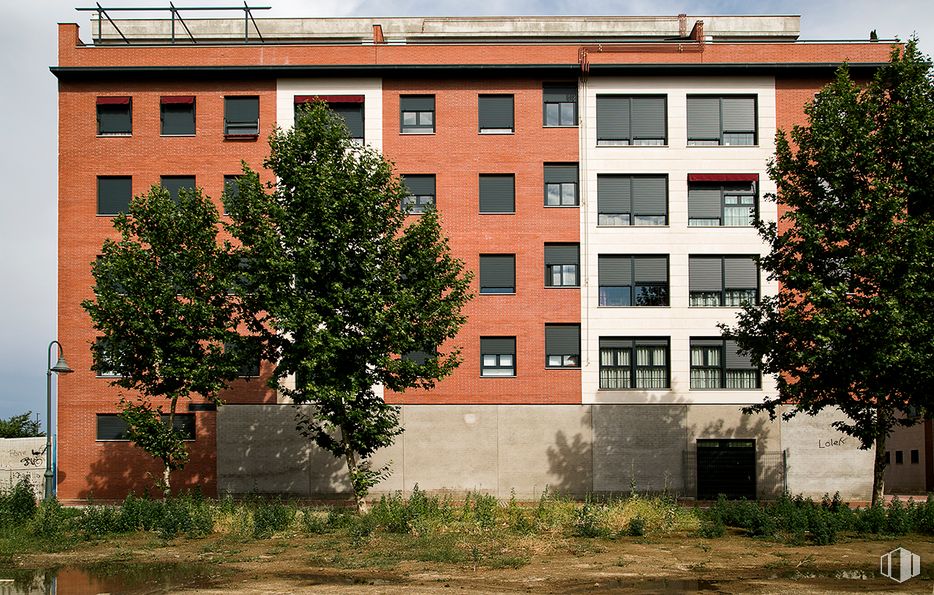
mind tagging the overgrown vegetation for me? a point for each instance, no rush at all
(477, 531)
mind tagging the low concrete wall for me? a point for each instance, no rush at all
(499, 449)
(22, 458)
(822, 460)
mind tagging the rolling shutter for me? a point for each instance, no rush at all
(614, 194)
(703, 118)
(111, 427)
(498, 270)
(562, 339)
(560, 174)
(559, 93)
(352, 113)
(417, 103)
(651, 269)
(704, 203)
(648, 117)
(612, 118)
(497, 193)
(735, 361)
(419, 185)
(740, 273)
(739, 113)
(649, 195)
(496, 112)
(497, 345)
(705, 273)
(614, 270)
(561, 254)
(615, 343)
(114, 195)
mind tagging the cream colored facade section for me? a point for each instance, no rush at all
(370, 88)
(372, 91)
(679, 322)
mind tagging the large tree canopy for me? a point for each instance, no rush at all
(853, 324)
(342, 286)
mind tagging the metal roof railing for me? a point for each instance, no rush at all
(176, 16)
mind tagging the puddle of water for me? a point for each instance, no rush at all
(129, 578)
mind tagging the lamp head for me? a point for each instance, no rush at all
(61, 366)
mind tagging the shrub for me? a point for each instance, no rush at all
(313, 523)
(823, 526)
(924, 516)
(18, 505)
(590, 520)
(711, 528)
(50, 519)
(185, 514)
(99, 521)
(271, 518)
(141, 514)
(898, 519)
(483, 511)
(871, 519)
(636, 527)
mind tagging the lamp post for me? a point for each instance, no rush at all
(60, 367)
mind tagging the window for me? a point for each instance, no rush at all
(421, 195)
(633, 363)
(178, 115)
(246, 355)
(497, 356)
(231, 188)
(497, 193)
(723, 281)
(348, 107)
(111, 427)
(899, 457)
(631, 120)
(241, 116)
(562, 345)
(114, 116)
(418, 357)
(109, 353)
(721, 120)
(561, 185)
(721, 203)
(716, 363)
(497, 273)
(915, 457)
(633, 280)
(632, 200)
(560, 104)
(418, 114)
(562, 263)
(496, 114)
(175, 183)
(114, 194)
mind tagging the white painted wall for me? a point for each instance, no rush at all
(677, 160)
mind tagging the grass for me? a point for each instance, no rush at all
(478, 532)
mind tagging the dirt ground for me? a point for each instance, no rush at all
(732, 564)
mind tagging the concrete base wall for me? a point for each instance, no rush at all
(501, 449)
(822, 460)
(22, 458)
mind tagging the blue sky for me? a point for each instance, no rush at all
(28, 262)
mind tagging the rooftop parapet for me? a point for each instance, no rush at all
(178, 28)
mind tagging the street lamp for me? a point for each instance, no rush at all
(60, 367)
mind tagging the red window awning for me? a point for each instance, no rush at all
(329, 98)
(177, 99)
(113, 101)
(723, 177)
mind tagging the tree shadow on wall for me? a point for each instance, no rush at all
(770, 470)
(570, 463)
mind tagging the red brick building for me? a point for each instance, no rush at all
(589, 170)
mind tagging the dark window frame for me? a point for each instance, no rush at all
(636, 289)
(561, 185)
(100, 211)
(495, 130)
(420, 204)
(722, 294)
(726, 189)
(708, 141)
(162, 179)
(232, 127)
(560, 105)
(115, 109)
(550, 268)
(171, 107)
(568, 360)
(498, 359)
(183, 421)
(707, 343)
(495, 289)
(633, 367)
(480, 206)
(631, 140)
(418, 127)
(230, 181)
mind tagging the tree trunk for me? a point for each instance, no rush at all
(352, 469)
(166, 485)
(878, 468)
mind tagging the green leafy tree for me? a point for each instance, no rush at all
(340, 284)
(163, 308)
(853, 324)
(20, 426)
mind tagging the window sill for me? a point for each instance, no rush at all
(497, 132)
(241, 137)
(107, 216)
(115, 135)
(732, 390)
(721, 226)
(497, 212)
(107, 377)
(177, 135)
(561, 126)
(481, 292)
(647, 307)
(563, 368)
(417, 132)
(633, 226)
(612, 146)
(577, 206)
(632, 390)
(495, 377)
(718, 307)
(562, 287)
(690, 146)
